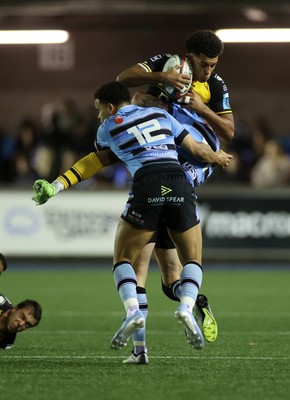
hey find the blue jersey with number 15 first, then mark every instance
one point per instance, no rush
(141, 136)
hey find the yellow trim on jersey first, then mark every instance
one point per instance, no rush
(225, 112)
(83, 169)
(202, 89)
(145, 66)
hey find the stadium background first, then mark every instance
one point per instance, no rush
(60, 253)
(106, 37)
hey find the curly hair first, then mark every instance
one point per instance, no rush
(205, 42)
(113, 92)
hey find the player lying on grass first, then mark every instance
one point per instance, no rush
(156, 144)
(13, 320)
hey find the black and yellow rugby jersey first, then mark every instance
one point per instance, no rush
(214, 92)
(7, 340)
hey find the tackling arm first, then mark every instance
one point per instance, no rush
(83, 169)
(147, 100)
(204, 153)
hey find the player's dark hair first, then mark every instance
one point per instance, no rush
(113, 92)
(205, 42)
(4, 261)
(37, 310)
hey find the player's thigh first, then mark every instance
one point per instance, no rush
(129, 241)
(141, 265)
(188, 244)
(169, 265)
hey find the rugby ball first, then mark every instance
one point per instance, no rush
(184, 68)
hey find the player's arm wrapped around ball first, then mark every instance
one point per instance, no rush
(178, 73)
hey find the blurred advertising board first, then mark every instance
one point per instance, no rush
(236, 224)
(245, 224)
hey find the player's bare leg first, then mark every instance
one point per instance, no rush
(169, 265)
(141, 265)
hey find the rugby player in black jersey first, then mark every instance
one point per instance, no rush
(208, 96)
(13, 320)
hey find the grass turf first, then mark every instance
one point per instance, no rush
(68, 355)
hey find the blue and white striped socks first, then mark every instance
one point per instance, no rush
(126, 282)
(190, 283)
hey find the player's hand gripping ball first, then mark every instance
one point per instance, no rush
(184, 68)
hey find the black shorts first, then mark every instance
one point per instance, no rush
(166, 196)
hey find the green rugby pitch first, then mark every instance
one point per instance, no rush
(67, 357)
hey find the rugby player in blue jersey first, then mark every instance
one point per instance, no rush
(145, 139)
(206, 112)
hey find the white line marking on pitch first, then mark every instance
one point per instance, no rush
(97, 332)
(153, 357)
(162, 314)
